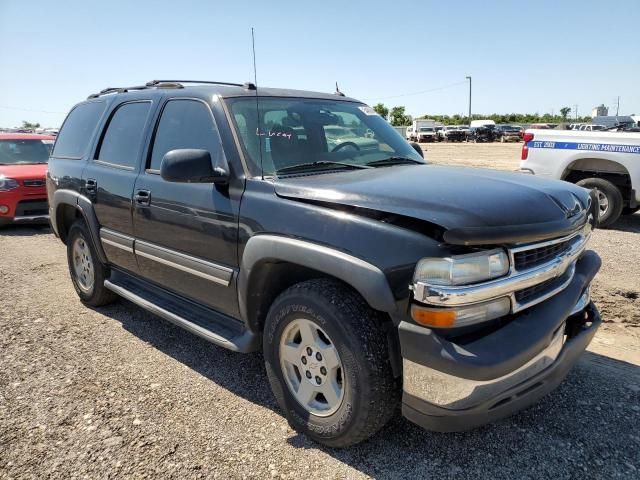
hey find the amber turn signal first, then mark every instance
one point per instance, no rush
(433, 318)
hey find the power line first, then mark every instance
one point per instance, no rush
(418, 93)
(31, 110)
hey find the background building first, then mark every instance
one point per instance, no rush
(600, 111)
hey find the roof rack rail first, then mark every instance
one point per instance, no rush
(166, 84)
(153, 83)
(109, 90)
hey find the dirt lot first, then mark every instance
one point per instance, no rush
(117, 392)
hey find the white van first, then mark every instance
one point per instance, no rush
(481, 123)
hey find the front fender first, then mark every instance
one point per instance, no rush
(366, 278)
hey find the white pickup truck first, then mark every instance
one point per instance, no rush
(606, 162)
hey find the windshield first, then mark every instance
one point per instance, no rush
(298, 131)
(19, 151)
(426, 129)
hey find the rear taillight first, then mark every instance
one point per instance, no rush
(527, 137)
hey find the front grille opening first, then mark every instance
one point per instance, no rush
(523, 296)
(34, 183)
(27, 208)
(537, 256)
(527, 295)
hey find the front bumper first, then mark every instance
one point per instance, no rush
(512, 138)
(450, 387)
(24, 205)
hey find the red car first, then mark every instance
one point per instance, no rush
(23, 167)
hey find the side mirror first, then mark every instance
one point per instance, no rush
(189, 165)
(417, 148)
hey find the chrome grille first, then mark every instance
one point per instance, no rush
(545, 269)
(537, 256)
(537, 293)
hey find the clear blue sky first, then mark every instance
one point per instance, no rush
(524, 56)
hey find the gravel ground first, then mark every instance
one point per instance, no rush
(117, 392)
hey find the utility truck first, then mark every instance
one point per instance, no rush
(422, 131)
(606, 162)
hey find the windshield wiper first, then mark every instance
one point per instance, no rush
(393, 161)
(304, 167)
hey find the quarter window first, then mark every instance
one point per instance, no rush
(78, 128)
(185, 124)
(123, 137)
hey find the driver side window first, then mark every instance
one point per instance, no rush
(185, 124)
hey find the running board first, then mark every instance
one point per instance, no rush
(203, 322)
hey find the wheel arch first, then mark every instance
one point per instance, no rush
(609, 170)
(69, 206)
(271, 264)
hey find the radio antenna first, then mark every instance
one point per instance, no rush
(255, 81)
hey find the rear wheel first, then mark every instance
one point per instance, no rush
(610, 200)
(328, 364)
(87, 273)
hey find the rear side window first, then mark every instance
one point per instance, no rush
(123, 136)
(185, 124)
(74, 138)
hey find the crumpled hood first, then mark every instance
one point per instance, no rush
(474, 206)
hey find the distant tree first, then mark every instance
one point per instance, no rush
(564, 113)
(381, 110)
(29, 125)
(399, 118)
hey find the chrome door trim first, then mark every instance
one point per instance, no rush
(185, 263)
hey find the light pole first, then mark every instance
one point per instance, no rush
(469, 78)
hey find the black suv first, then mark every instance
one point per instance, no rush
(304, 225)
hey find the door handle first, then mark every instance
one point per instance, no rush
(142, 197)
(91, 187)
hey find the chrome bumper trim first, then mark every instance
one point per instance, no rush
(30, 218)
(451, 296)
(582, 303)
(457, 393)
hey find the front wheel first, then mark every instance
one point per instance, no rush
(610, 200)
(328, 364)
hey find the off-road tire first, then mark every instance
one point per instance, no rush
(371, 393)
(98, 295)
(614, 197)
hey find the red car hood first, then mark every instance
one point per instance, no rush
(24, 171)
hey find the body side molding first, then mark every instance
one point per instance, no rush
(115, 239)
(186, 263)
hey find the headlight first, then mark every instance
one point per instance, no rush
(462, 269)
(7, 184)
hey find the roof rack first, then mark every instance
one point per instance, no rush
(167, 84)
(154, 83)
(246, 85)
(109, 90)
